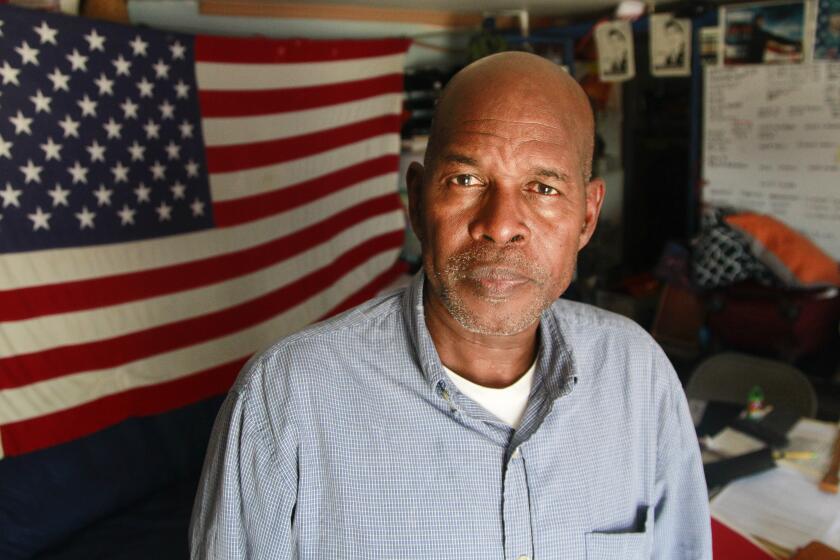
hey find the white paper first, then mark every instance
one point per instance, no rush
(811, 435)
(781, 507)
(731, 443)
(670, 45)
(614, 41)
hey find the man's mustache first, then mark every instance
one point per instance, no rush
(497, 263)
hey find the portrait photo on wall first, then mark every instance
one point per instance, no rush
(767, 32)
(827, 41)
(614, 41)
(670, 45)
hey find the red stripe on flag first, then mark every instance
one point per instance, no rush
(241, 210)
(35, 301)
(60, 427)
(222, 159)
(245, 50)
(374, 287)
(64, 360)
(240, 103)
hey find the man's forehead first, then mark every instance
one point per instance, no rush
(511, 134)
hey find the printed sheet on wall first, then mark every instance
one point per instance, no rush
(772, 144)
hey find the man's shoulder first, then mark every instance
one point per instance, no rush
(351, 331)
(576, 318)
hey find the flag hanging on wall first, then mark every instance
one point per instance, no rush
(171, 204)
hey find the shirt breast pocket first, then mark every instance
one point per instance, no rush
(621, 545)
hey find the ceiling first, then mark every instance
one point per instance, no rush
(535, 7)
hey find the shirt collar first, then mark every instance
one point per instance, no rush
(555, 375)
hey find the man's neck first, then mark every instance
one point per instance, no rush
(489, 360)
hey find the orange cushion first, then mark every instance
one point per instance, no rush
(788, 253)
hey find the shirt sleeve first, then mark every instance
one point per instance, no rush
(246, 498)
(682, 526)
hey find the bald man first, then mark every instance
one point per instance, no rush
(474, 414)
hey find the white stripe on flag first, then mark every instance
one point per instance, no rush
(18, 270)
(258, 180)
(239, 77)
(228, 131)
(62, 329)
(65, 392)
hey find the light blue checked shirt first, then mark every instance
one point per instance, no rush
(348, 440)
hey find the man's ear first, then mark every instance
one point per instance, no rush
(594, 200)
(414, 184)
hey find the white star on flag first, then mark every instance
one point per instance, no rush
(88, 106)
(105, 85)
(167, 110)
(129, 109)
(10, 196)
(192, 169)
(59, 80)
(40, 219)
(157, 170)
(161, 69)
(123, 66)
(31, 172)
(77, 61)
(59, 196)
(186, 129)
(145, 87)
(138, 46)
(103, 196)
(9, 74)
(151, 129)
(136, 151)
(173, 150)
(178, 50)
(46, 33)
(96, 151)
(78, 172)
(178, 190)
(70, 127)
(96, 42)
(182, 90)
(5, 148)
(120, 172)
(85, 218)
(113, 128)
(51, 150)
(197, 208)
(28, 55)
(126, 215)
(41, 101)
(22, 123)
(142, 192)
(164, 212)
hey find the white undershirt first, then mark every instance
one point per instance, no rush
(507, 404)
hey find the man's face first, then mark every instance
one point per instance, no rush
(502, 211)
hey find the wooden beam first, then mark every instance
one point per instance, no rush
(262, 8)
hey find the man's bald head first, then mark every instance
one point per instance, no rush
(520, 87)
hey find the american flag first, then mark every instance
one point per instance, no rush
(170, 204)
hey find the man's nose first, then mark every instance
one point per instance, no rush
(499, 217)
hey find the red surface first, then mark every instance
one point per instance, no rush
(729, 545)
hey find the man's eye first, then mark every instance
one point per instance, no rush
(465, 180)
(545, 189)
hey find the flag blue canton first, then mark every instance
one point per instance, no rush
(100, 134)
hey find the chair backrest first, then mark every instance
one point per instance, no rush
(728, 377)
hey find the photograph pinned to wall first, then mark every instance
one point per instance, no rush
(827, 41)
(766, 32)
(710, 45)
(670, 45)
(614, 41)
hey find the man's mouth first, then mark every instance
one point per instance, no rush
(497, 281)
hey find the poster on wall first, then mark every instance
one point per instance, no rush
(709, 45)
(614, 41)
(827, 41)
(670, 45)
(766, 32)
(771, 144)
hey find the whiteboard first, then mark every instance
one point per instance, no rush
(771, 144)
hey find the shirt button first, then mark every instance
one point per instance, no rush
(516, 454)
(523, 557)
